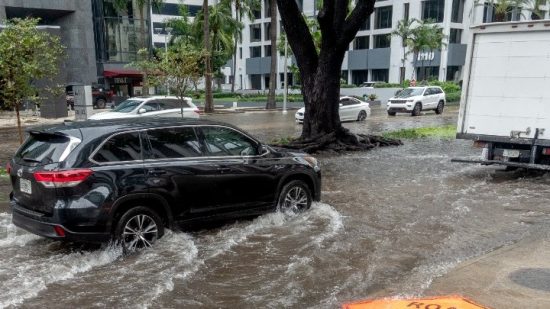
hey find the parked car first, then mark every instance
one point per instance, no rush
(351, 109)
(154, 106)
(128, 180)
(100, 96)
(413, 100)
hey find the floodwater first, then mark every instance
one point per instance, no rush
(390, 221)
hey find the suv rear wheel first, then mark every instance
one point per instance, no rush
(295, 197)
(138, 228)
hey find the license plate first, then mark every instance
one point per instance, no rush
(510, 153)
(25, 186)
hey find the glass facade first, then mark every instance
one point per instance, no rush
(120, 34)
(383, 17)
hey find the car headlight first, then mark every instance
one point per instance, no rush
(311, 161)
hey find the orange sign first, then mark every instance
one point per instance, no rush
(443, 302)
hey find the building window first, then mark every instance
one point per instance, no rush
(174, 9)
(240, 53)
(453, 73)
(406, 12)
(455, 36)
(255, 33)
(458, 11)
(383, 16)
(359, 76)
(434, 10)
(267, 34)
(255, 52)
(344, 76)
(361, 42)
(366, 25)
(382, 41)
(256, 81)
(267, 51)
(381, 75)
(427, 73)
(257, 14)
(489, 14)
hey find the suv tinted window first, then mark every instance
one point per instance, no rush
(151, 106)
(171, 104)
(227, 142)
(436, 91)
(174, 143)
(121, 147)
(42, 148)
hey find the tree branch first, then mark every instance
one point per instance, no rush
(358, 16)
(298, 35)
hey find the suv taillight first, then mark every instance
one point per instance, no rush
(62, 179)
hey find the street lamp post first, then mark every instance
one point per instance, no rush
(169, 32)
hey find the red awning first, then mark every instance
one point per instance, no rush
(122, 73)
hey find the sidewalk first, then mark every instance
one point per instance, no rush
(515, 276)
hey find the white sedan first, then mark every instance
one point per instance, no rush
(351, 109)
(154, 106)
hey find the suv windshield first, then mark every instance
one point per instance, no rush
(410, 92)
(42, 149)
(127, 106)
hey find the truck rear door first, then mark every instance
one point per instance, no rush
(509, 83)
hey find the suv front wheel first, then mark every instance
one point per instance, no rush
(417, 109)
(138, 228)
(295, 197)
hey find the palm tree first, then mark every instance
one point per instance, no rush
(536, 12)
(271, 104)
(502, 8)
(215, 26)
(242, 8)
(404, 31)
(426, 36)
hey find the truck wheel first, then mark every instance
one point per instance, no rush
(416, 110)
(391, 113)
(100, 103)
(439, 109)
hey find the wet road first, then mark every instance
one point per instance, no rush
(391, 221)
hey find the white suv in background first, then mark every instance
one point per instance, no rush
(416, 99)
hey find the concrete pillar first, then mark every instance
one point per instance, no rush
(445, 50)
(2, 14)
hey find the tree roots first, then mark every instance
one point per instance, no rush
(342, 141)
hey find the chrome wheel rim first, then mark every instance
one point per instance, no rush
(140, 231)
(295, 200)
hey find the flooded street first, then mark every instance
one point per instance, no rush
(390, 222)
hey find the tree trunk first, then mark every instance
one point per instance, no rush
(271, 103)
(208, 99)
(320, 73)
(19, 129)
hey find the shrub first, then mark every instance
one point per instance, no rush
(448, 87)
(372, 97)
(387, 85)
(453, 96)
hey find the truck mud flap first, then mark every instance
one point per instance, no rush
(496, 162)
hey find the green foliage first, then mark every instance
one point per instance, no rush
(27, 54)
(372, 97)
(179, 68)
(445, 132)
(448, 87)
(453, 97)
(3, 173)
(314, 30)
(387, 85)
(285, 140)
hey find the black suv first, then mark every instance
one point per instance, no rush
(129, 180)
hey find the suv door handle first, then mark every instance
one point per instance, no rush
(155, 172)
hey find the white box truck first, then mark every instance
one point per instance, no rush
(505, 105)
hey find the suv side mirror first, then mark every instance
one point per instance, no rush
(142, 111)
(262, 149)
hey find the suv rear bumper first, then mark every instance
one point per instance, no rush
(44, 226)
